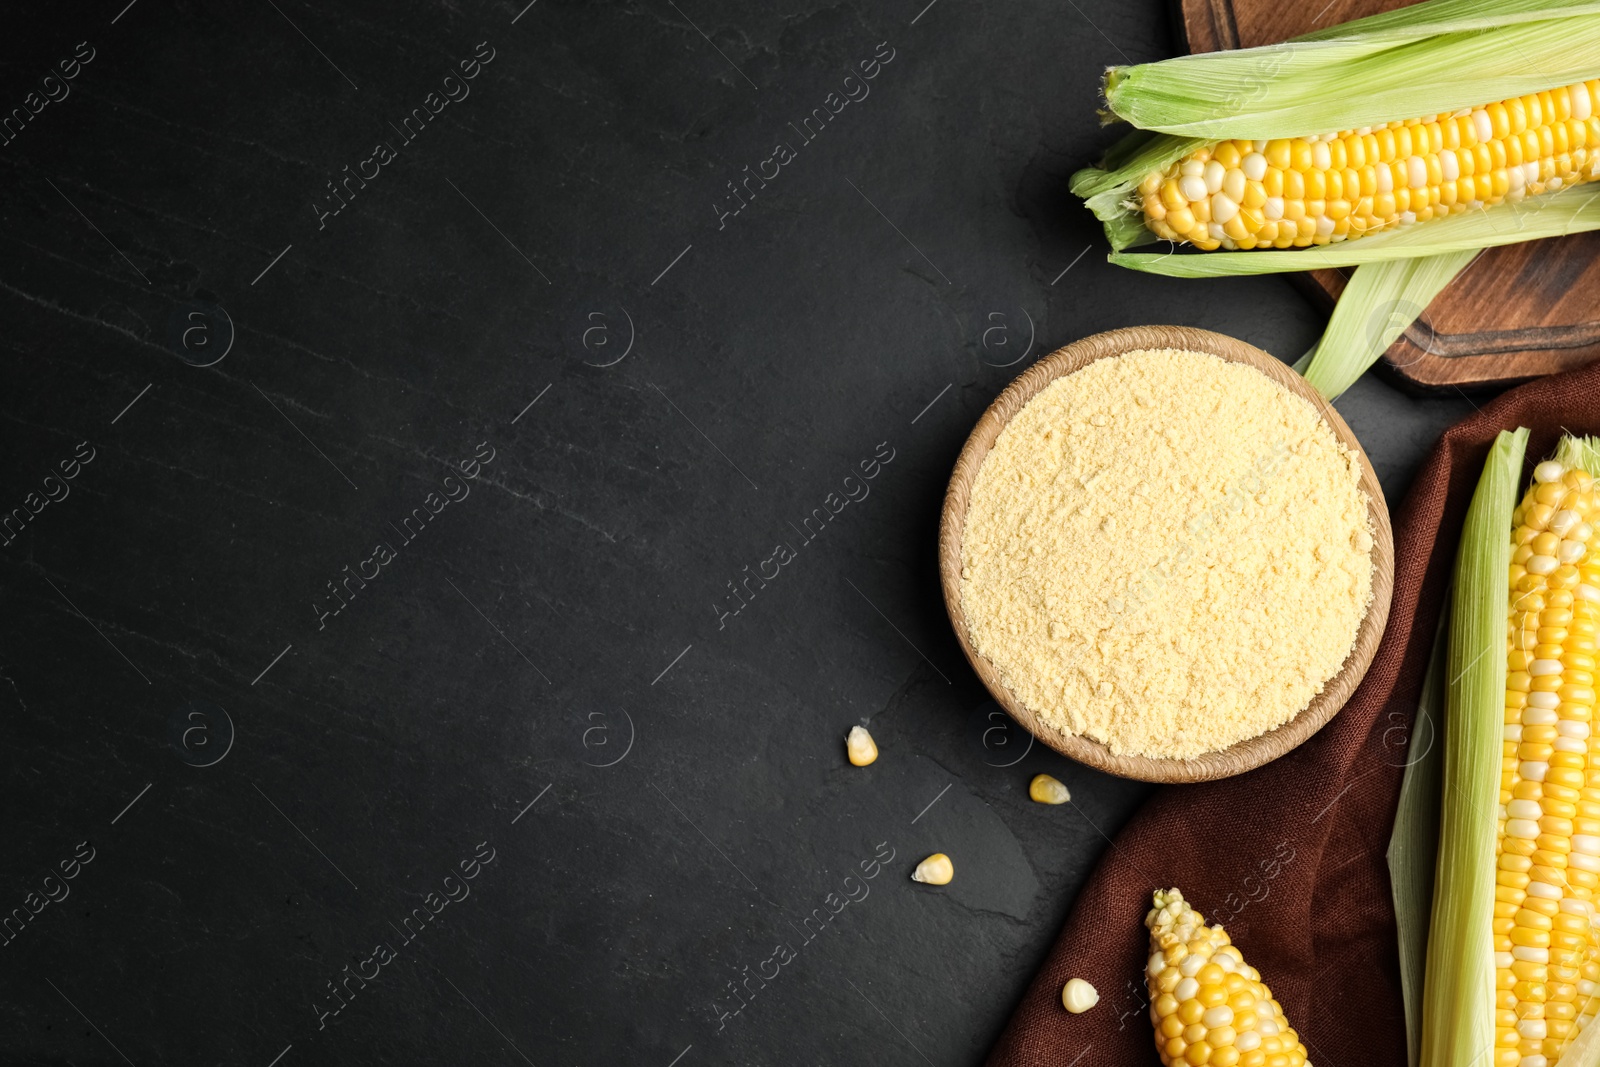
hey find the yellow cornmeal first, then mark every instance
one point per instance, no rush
(1166, 552)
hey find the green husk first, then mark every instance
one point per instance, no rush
(1106, 188)
(1458, 992)
(1414, 843)
(1571, 210)
(1380, 302)
(1303, 87)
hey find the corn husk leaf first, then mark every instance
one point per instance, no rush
(1414, 843)
(1572, 210)
(1422, 60)
(1380, 302)
(1584, 1050)
(1458, 992)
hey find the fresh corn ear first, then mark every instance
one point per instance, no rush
(1434, 109)
(1547, 872)
(1208, 1005)
(1294, 192)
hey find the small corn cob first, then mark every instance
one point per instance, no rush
(1548, 845)
(1321, 189)
(1207, 1004)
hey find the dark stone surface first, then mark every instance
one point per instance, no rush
(701, 385)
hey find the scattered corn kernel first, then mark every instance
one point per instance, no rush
(935, 870)
(860, 746)
(1078, 996)
(1048, 790)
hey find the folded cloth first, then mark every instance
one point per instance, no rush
(1291, 856)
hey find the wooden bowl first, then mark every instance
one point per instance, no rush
(1246, 754)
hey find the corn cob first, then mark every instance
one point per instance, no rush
(1300, 191)
(1548, 845)
(1207, 1004)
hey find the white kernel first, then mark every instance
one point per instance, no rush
(1583, 861)
(1579, 95)
(1416, 172)
(1385, 178)
(1214, 173)
(1574, 906)
(1541, 564)
(1533, 1028)
(1539, 668)
(1587, 988)
(1530, 171)
(1572, 728)
(1571, 551)
(1545, 890)
(1526, 829)
(1514, 180)
(1449, 166)
(1502, 961)
(1321, 158)
(1544, 700)
(1216, 232)
(1324, 226)
(1524, 809)
(1588, 844)
(1585, 591)
(1233, 184)
(1536, 716)
(1158, 963)
(1530, 954)
(1249, 1041)
(1273, 208)
(1192, 168)
(1268, 1027)
(1186, 990)
(1482, 126)
(1223, 208)
(1254, 166)
(1581, 532)
(1514, 731)
(1191, 965)
(1193, 188)
(1407, 218)
(1221, 1015)
(1533, 770)
(1570, 744)
(1534, 1060)
(1563, 521)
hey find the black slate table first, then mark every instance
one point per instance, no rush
(466, 466)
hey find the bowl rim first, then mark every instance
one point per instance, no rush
(1243, 755)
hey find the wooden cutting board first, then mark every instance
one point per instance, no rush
(1518, 312)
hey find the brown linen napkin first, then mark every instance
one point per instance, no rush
(1290, 857)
